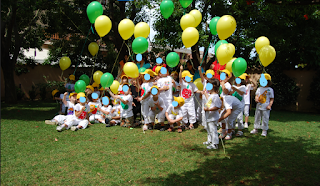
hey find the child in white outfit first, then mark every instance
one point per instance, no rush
(264, 98)
(157, 107)
(81, 119)
(174, 114)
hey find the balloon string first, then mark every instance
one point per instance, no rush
(184, 11)
(81, 52)
(205, 52)
(115, 62)
(62, 75)
(95, 59)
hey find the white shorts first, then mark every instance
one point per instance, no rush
(246, 110)
(60, 119)
(232, 117)
(189, 113)
(77, 122)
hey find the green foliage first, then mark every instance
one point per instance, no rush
(55, 85)
(20, 93)
(33, 93)
(314, 91)
(42, 90)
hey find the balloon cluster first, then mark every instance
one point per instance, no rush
(266, 52)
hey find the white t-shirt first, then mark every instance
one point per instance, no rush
(116, 110)
(213, 101)
(69, 86)
(231, 102)
(264, 93)
(70, 106)
(187, 91)
(126, 113)
(243, 89)
(145, 89)
(84, 113)
(173, 111)
(160, 100)
(165, 81)
(93, 106)
(107, 109)
(227, 85)
(120, 88)
(249, 87)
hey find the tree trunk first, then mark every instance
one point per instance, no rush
(8, 74)
(195, 56)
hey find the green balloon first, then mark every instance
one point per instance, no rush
(185, 3)
(239, 66)
(219, 43)
(166, 8)
(213, 25)
(106, 80)
(142, 69)
(140, 45)
(94, 10)
(80, 86)
(172, 59)
(85, 78)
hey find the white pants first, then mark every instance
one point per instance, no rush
(232, 117)
(198, 106)
(203, 113)
(240, 120)
(60, 119)
(212, 132)
(173, 117)
(94, 118)
(152, 115)
(264, 115)
(145, 111)
(246, 110)
(188, 113)
(77, 122)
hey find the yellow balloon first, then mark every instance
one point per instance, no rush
(142, 29)
(64, 63)
(225, 53)
(226, 26)
(198, 83)
(93, 48)
(267, 55)
(190, 37)
(97, 76)
(131, 69)
(103, 25)
(261, 42)
(229, 64)
(197, 16)
(126, 28)
(187, 21)
(114, 87)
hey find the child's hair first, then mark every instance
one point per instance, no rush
(243, 82)
(215, 83)
(89, 98)
(269, 83)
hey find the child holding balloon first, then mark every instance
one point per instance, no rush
(264, 98)
(212, 106)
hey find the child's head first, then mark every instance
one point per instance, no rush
(157, 71)
(268, 78)
(89, 89)
(95, 86)
(186, 74)
(105, 101)
(126, 88)
(72, 78)
(228, 74)
(174, 75)
(81, 98)
(73, 97)
(150, 73)
(155, 91)
(180, 101)
(55, 93)
(208, 72)
(216, 85)
(189, 65)
(124, 79)
(243, 79)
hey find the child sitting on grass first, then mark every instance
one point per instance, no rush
(81, 110)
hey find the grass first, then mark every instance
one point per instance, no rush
(33, 153)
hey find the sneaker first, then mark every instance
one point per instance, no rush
(145, 127)
(254, 131)
(239, 133)
(106, 120)
(51, 122)
(206, 143)
(264, 133)
(150, 127)
(170, 129)
(236, 126)
(228, 137)
(108, 125)
(246, 125)
(179, 130)
(60, 128)
(162, 128)
(74, 128)
(212, 146)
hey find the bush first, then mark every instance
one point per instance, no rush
(33, 93)
(42, 90)
(20, 93)
(314, 91)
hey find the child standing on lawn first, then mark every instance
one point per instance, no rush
(238, 91)
(225, 89)
(187, 92)
(247, 99)
(212, 106)
(174, 114)
(81, 110)
(264, 98)
(165, 84)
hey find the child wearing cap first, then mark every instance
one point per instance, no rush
(70, 84)
(89, 90)
(95, 108)
(105, 113)
(187, 92)
(145, 94)
(174, 114)
(238, 91)
(124, 80)
(156, 107)
(211, 108)
(247, 99)
(264, 98)
(81, 113)
(96, 88)
(126, 105)
(176, 89)
(165, 84)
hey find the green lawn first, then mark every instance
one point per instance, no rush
(30, 155)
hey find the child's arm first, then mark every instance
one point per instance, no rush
(270, 104)
(177, 120)
(228, 112)
(122, 100)
(64, 100)
(237, 90)
(201, 75)
(103, 111)
(211, 109)
(111, 93)
(206, 94)
(180, 74)
(144, 97)
(169, 120)
(198, 91)
(78, 113)
(158, 105)
(116, 117)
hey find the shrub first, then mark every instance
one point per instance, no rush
(33, 93)
(42, 90)
(314, 91)
(20, 93)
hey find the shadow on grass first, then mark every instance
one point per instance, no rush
(258, 161)
(29, 111)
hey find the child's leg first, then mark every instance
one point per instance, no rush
(214, 139)
(246, 113)
(144, 112)
(240, 121)
(192, 115)
(129, 122)
(184, 110)
(92, 119)
(209, 133)
(83, 124)
(265, 119)
(257, 119)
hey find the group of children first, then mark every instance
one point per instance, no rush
(173, 98)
